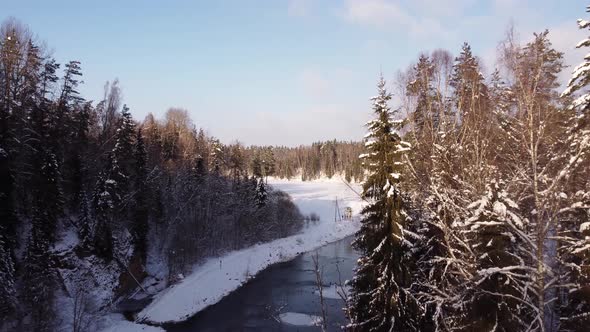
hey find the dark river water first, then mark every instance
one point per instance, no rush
(283, 291)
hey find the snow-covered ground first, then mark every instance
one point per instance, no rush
(211, 281)
(118, 323)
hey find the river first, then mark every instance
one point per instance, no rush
(282, 297)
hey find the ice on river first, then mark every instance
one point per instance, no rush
(299, 319)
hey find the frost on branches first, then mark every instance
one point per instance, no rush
(574, 214)
(574, 255)
(381, 300)
(581, 74)
(500, 296)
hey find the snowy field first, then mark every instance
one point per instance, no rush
(211, 281)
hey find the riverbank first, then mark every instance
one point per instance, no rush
(217, 277)
(284, 297)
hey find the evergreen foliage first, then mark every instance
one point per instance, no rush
(381, 298)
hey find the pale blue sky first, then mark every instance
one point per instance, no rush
(274, 71)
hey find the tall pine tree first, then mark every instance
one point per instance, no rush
(381, 300)
(141, 211)
(500, 294)
(7, 238)
(574, 244)
(39, 275)
(123, 151)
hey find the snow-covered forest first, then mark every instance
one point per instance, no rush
(480, 196)
(475, 197)
(92, 200)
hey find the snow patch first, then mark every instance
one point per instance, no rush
(500, 209)
(299, 319)
(117, 323)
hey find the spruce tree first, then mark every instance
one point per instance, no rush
(574, 256)
(46, 179)
(199, 170)
(153, 138)
(8, 223)
(39, 277)
(141, 210)
(425, 115)
(60, 113)
(77, 153)
(123, 151)
(236, 162)
(381, 300)
(268, 163)
(8, 220)
(102, 234)
(503, 269)
(261, 194)
(580, 80)
(257, 170)
(69, 93)
(7, 278)
(48, 196)
(84, 222)
(468, 83)
(216, 157)
(106, 198)
(574, 239)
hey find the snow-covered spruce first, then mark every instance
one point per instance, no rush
(574, 231)
(500, 295)
(381, 299)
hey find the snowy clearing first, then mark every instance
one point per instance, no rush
(217, 277)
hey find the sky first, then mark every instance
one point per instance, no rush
(276, 72)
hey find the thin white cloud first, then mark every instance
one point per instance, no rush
(375, 12)
(404, 12)
(387, 14)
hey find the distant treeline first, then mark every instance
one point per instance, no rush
(308, 162)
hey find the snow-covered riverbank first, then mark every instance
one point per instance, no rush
(216, 278)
